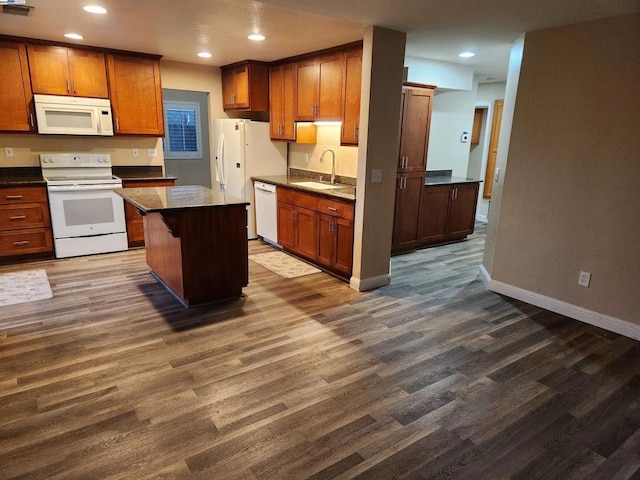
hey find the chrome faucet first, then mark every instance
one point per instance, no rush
(333, 163)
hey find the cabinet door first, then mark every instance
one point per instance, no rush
(306, 90)
(49, 68)
(326, 240)
(282, 92)
(352, 84)
(228, 87)
(329, 106)
(462, 212)
(414, 138)
(343, 258)
(136, 95)
(15, 89)
(286, 227)
(88, 74)
(405, 230)
(241, 82)
(434, 214)
(307, 239)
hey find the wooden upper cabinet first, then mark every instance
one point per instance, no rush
(282, 85)
(416, 120)
(351, 99)
(67, 71)
(319, 88)
(15, 89)
(245, 86)
(477, 126)
(136, 95)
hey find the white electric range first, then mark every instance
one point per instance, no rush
(87, 216)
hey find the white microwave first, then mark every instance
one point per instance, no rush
(59, 115)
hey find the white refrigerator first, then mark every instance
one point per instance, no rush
(243, 149)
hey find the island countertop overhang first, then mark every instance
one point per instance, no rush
(163, 199)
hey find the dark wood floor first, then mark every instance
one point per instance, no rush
(430, 377)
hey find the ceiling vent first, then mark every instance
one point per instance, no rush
(22, 10)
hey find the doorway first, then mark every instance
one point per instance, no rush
(191, 161)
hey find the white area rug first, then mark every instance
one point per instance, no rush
(26, 286)
(283, 264)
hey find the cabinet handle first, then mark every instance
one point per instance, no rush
(23, 242)
(14, 197)
(456, 190)
(74, 86)
(18, 217)
(117, 124)
(66, 85)
(333, 209)
(31, 120)
(355, 131)
(233, 98)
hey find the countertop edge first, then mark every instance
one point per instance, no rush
(287, 182)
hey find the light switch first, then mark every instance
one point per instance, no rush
(151, 152)
(376, 175)
(134, 152)
(8, 152)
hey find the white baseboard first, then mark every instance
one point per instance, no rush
(606, 322)
(364, 284)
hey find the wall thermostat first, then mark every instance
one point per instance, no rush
(464, 137)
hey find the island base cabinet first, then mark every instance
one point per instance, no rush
(188, 254)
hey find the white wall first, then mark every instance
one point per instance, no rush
(451, 116)
(486, 94)
(443, 75)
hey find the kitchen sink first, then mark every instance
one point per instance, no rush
(316, 185)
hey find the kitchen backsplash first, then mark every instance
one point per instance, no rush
(27, 148)
(307, 156)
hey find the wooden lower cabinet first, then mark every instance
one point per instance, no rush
(135, 225)
(317, 228)
(447, 213)
(25, 223)
(407, 212)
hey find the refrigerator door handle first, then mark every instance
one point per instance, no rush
(220, 163)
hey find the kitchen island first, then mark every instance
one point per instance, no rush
(196, 240)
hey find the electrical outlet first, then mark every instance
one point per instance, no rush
(151, 152)
(134, 152)
(584, 279)
(376, 175)
(8, 152)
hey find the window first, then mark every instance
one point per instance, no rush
(183, 136)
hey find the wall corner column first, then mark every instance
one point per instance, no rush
(381, 91)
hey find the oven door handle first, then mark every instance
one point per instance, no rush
(80, 188)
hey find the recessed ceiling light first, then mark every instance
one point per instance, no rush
(467, 54)
(256, 37)
(74, 36)
(204, 54)
(94, 9)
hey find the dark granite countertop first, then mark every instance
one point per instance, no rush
(140, 173)
(342, 191)
(444, 180)
(157, 199)
(21, 176)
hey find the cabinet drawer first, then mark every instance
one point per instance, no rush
(168, 182)
(15, 217)
(131, 212)
(10, 195)
(336, 208)
(294, 197)
(20, 242)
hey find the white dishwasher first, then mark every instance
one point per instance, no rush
(266, 202)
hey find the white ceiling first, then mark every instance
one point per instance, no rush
(178, 29)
